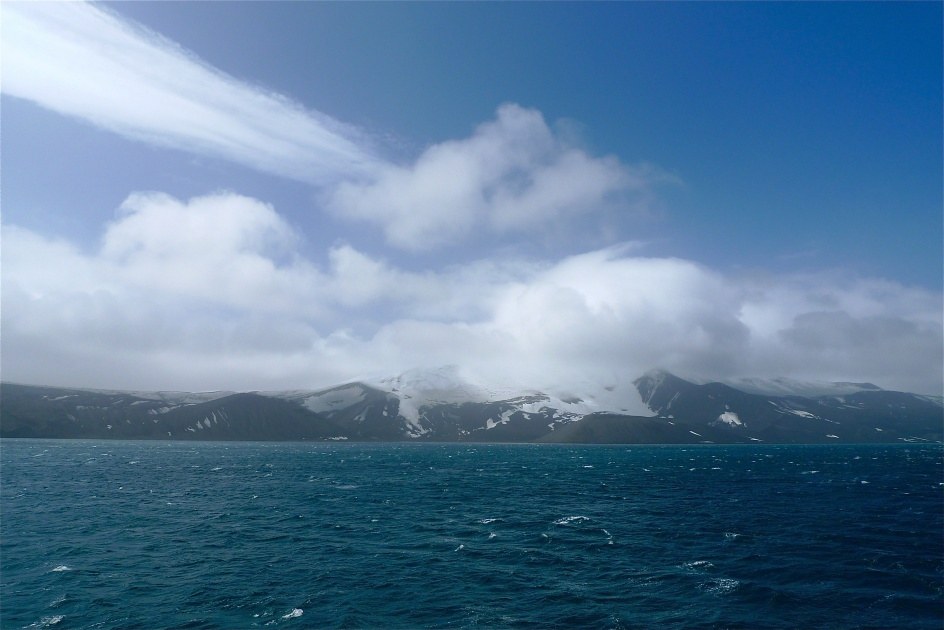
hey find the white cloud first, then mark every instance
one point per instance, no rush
(604, 307)
(225, 248)
(83, 61)
(513, 173)
(213, 293)
(359, 280)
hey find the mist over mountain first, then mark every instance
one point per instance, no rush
(443, 405)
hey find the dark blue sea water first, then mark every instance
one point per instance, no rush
(233, 535)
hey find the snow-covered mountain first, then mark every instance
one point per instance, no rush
(449, 404)
(449, 385)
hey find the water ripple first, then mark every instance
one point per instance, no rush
(410, 536)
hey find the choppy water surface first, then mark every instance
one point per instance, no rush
(211, 535)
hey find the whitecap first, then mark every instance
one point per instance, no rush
(720, 586)
(492, 535)
(296, 612)
(731, 535)
(61, 568)
(567, 520)
(459, 548)
(697, 565)
(45, 622)
(486, 521)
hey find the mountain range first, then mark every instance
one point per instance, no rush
(445, 405)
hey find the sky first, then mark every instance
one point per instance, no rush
(248, 195)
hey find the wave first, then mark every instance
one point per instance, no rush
(723, 552)
(720, 586)
(567, 520)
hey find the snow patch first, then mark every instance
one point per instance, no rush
(451, 385)
(503, 419)
(802, 414)
(440, 385)
(730, 418)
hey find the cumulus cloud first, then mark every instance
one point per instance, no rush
(513, 173)
(214, 293)
(84, 61)
(227, 249)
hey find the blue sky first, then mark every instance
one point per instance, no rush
(535, 191)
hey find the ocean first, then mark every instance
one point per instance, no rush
(338, 535)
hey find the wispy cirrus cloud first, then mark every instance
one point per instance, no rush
(83, 61)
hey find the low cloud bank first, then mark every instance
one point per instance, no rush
(214, 293)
